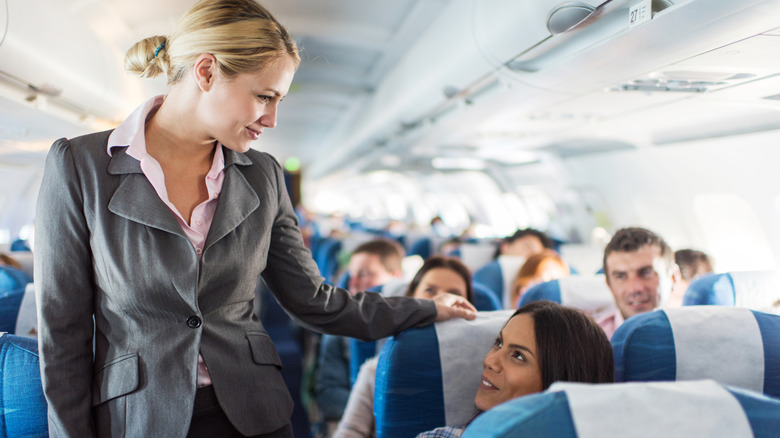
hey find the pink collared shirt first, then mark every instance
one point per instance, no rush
(610, 323)
(131, 134)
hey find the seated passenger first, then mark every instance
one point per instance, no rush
(439, 275)
(640, 272)
(372, 263)
(6, 260)
(524, 243)
(545, 266)
(692, 264)
(542, 343)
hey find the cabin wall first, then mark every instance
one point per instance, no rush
(719, 195)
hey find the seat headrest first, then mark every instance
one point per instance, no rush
(757, 290)
(733, 346)
(587, 293)
(658, 409)
(428, 376)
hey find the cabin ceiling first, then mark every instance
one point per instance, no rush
(391, 85)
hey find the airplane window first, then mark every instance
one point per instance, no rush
(735, 237)
(541, 208)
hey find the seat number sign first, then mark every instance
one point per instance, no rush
(640, 13)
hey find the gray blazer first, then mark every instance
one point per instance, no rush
(112, 261)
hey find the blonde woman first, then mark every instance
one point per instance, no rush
(150, 240)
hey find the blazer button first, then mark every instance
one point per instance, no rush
(194, 322)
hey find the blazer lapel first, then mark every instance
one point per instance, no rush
(135, 198)
(236, 201)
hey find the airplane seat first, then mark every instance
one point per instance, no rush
(360, 351)
(327, 258)
(484, 298)
(757, 290)
(422, 247)
(281, 330)
(655, 409)
(25, 259)
(22, 402)
(499, 275)
(20, 245)
(587, 293)
(428, 376)
(476, 254)
(12, 286)
(731, 345)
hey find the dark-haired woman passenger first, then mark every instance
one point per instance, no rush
(439, 275)
(542, 343)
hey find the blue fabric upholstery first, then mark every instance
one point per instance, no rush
(10, 302)
(422, 248)
(491, 276)
(714, 289)
(549, 415)
(549, 291)
(22, 404)
(399, 396)
(12, 278)
(484, 298)
(411, 395)
(645, 347)
(327, 258)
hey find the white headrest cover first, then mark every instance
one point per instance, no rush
(27, 319)
(462, 348)
(662, 409)
(587, 293)
(757, 290)
(510, 265)
(719, 343)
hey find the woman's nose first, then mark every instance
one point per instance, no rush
(491, 361)
(268, 119)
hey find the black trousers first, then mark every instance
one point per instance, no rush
(210, 421)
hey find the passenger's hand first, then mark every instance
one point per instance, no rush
(450, 306)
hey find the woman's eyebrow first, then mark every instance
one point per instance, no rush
(524, 348)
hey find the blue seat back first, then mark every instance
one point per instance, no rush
(499, 275)
(757, 290)
(733, 346)
(484, 298)
(327, 258)
(428, 376)
(587, 293)
(22, 404)
(658, 409)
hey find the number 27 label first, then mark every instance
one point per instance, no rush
(640, 13)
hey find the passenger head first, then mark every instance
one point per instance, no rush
(545, 266)
(441, 275)
(692, 264)
(374, 263)
(639, 269)
(542, 343)
(241, 35)
(524, 243)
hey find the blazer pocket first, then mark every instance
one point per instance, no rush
(263, 350)
(116, 378)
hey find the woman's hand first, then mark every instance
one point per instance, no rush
(450, 306)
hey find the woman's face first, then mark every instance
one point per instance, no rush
(236, 111)
(511, 368)
(440, 281)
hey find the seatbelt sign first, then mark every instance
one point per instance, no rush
(640, 13)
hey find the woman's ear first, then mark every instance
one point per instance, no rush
(205, 70)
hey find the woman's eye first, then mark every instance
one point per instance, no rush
(497, 343)
(430, 291)
(518, 355)
(264, 99)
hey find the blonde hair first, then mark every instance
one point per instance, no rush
(242, 35)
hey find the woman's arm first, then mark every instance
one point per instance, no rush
(64, 293)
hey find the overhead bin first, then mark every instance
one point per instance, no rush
(53, 59)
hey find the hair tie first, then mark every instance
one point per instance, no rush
(160, 47)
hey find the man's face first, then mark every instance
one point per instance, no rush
(366, 271)
(636, 279)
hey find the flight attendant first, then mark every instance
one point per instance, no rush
(151, 238)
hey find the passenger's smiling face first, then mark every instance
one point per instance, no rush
(511, 368)
(237, 110)
(439, 281)
(635, 279)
